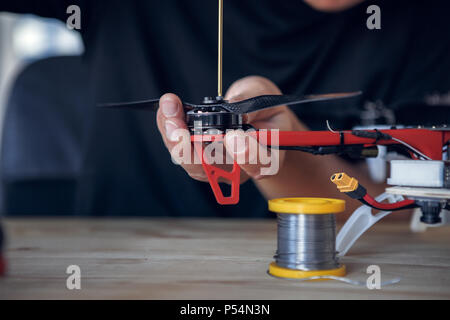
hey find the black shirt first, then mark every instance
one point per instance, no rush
(142, 49)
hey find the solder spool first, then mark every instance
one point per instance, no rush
(306, 238)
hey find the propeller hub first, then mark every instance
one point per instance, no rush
(220, 121)
(213, 100)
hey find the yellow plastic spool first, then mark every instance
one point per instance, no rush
(306, 205)
(281, 272)
(310, 206)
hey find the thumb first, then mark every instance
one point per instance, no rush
(257, 160)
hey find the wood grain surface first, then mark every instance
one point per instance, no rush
(206, 259)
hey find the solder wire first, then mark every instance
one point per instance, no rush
(306, 242)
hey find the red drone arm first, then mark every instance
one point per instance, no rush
(428, 142)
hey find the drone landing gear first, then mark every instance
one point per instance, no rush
(214, 120)
(216, 175)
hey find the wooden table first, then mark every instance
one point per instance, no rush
(206, 259)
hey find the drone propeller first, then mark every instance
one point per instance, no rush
(268, 101)
(241, 107)
(151, 104)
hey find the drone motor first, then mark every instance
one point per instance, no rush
(212, 117)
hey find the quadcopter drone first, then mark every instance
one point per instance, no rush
(425, 147)
(424, 178)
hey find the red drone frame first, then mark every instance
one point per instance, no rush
(428, 143)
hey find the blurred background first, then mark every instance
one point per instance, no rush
(27, 44)
(60, 155)
(25, 39)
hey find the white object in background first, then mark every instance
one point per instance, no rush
(377, 166)
(37, 38)
(359, 222)
(10, 64)
(417, 173)
(418, 226)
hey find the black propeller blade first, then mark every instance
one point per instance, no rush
(241, 107)
(150, 105)
(268, 101)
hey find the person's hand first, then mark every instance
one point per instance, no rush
(171, 117)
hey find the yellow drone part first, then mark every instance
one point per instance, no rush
(306, 205)
(281, 272)
(343, 182)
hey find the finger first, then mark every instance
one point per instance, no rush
(170, 117)
(249, 87)
(257, 160)
(174, 132)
